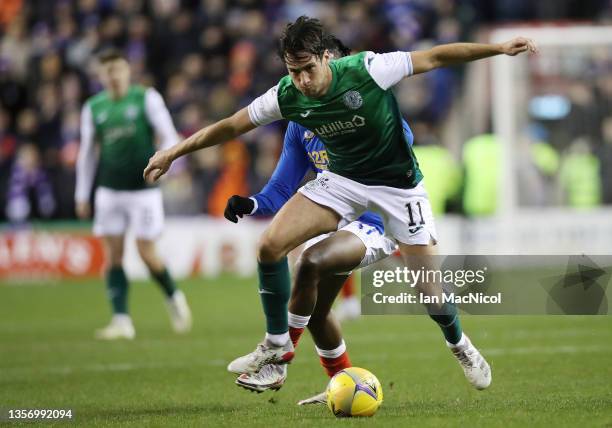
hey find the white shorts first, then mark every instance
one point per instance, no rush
(406, 213)
(116, 210)
(377, 245)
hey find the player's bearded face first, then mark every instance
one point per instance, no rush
(115, 75)
(310, 74)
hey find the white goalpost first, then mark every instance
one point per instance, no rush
(520, 227)
(509, 78)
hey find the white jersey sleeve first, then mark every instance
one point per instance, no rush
(265, 109)
(388, 69)
(86, 160)
(159, 118)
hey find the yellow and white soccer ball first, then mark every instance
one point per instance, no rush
(354, 392)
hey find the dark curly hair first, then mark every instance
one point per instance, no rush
(302, 38)
(305, 37)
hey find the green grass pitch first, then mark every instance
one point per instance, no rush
(547, 370)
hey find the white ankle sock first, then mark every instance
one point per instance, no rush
(278, 339)
(462, 342)
(332, 353)
(122, 319)
(298, 321)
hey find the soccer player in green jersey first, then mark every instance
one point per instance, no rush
(348, 104)
(118, 128)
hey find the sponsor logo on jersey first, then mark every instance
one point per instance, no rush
(340, 127)
(131, 112)
(306, 113)
(112, 135)
(353, 100)
(319, 159)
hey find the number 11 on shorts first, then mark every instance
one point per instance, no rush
(412, 224)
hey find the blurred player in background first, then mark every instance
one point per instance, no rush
(118, 128)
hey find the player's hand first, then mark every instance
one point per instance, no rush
(519, 45)
(158, 165)
(237, 206)
(83, 210)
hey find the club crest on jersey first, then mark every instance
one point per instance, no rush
(353, 100)
(131, 112)
(101, 118)
(308, 135)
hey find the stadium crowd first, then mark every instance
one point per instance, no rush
(210, 57)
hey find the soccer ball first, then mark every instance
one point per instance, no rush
(354, 392)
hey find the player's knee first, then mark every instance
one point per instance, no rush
(115, 259)
(269, 250)
(309, 264)
(114, 252)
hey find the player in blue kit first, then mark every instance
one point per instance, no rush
(354, 245)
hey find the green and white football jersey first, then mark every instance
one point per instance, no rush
(124, 131)
(358, 119)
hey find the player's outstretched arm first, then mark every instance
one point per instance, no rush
(217, 133)
(459, 53)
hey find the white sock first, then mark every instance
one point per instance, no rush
(278, 339)
(298, 321)
(332, 353)
(122, 319)
(462, 342)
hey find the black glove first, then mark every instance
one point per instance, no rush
(237, 206)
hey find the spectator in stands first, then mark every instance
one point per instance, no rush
(29, 189)
(482, 160)
(580, 175)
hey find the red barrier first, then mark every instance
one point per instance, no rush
(33, 255)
